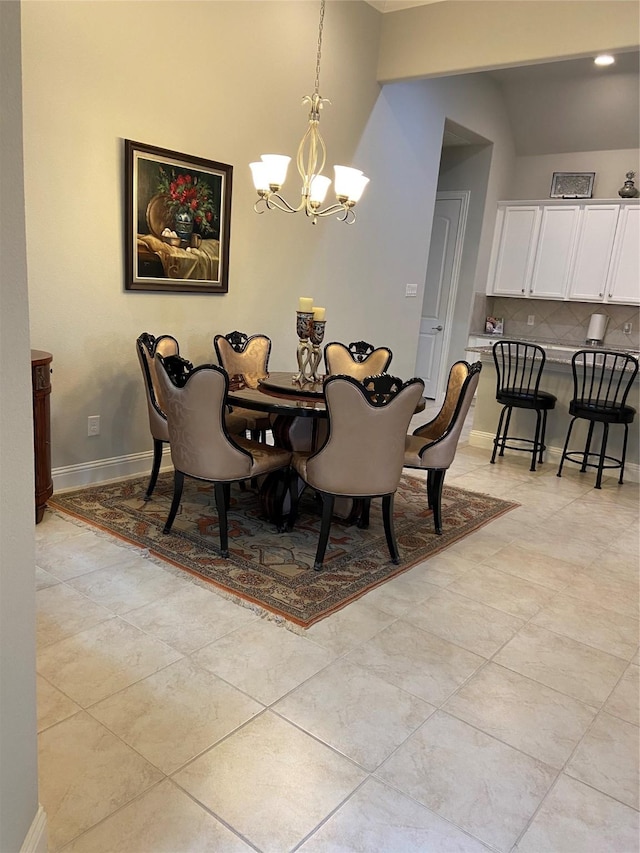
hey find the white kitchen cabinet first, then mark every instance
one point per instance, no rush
(586, 251)
(513, 250)
(596, 232)
(623, 284)
(554, 251)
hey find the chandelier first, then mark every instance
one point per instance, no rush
(270, 172)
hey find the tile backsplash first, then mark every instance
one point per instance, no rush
(562, 322)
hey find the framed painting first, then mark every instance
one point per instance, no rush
(177, 221)
(572, 185)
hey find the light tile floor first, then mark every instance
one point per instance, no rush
(487, 699)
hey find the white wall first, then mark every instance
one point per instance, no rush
(18, 759)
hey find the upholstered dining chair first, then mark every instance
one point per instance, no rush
(602, 381)
(363, 453)
(239, 353)
(202, 447)
(359, 359)
(432, 447)
(147, 346)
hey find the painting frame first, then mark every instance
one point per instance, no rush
(572, 185)
(167, 190)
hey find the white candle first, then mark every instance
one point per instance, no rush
(319, 313)
(305, 303)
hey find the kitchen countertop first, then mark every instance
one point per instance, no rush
(556, 353)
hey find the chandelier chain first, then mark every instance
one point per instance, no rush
(320, 28)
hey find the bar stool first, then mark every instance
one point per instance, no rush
(601, 383)
(519, 367)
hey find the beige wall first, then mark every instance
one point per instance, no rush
(18, 758)
(117, 83)
(533, 174)
(466, 35)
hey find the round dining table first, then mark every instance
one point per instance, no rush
(299, 422)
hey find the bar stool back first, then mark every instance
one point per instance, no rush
(601, 384)
(519, 367)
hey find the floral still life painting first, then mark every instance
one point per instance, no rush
(178, 211)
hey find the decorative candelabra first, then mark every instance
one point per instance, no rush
(310, 331)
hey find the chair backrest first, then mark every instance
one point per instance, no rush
(519, 366)
(238, 353)
(443, 432)
(200, 444)
(359, 359)
(146, 346)
(364, 450)
(603, 378)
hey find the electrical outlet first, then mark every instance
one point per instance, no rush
(93, 425)
(627, 328)
(531, 319)
(411, 290)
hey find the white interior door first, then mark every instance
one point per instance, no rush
(443, 268)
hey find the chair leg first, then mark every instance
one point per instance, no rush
(543, 436)
(624, 453)
(603, 450)
(564, 449)
(363, 521)
(587, 447)
(536, 440)
(505, 431)
(178, 483)
(220, 491)
(327, 511)
(282, 488)
(155, 468)
(389, 532)
(436, 498)
(430, 488)
(497, 438)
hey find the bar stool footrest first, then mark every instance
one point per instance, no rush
(577, 457)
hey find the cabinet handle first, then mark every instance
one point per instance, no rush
(610, 295)
(523, 289)
(601, 295)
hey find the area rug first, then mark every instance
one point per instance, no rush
(272, 570)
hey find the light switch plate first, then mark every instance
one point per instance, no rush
(411, 290)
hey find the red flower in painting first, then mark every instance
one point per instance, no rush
(187, 193)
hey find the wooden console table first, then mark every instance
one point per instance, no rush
(41, 386)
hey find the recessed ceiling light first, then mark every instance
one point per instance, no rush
(604, 59)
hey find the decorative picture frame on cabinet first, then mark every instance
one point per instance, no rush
(572, 185)
(177, 221)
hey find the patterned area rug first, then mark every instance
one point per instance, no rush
(275, 570)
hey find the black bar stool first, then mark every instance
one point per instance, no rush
(601, 383)
(519, 366)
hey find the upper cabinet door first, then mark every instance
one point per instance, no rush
(554, 252)
(513, 250)
(596, 231)
(623, 284)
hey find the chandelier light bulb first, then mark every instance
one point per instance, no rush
(270, 173)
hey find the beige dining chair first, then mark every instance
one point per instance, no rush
(239, 353)
(363, 454)
(147, 346)
(202, 447)
(360, 359)
(432, 447)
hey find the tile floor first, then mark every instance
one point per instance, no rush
(487, 699)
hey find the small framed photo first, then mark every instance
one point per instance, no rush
(494, 326)
(177, 221)
(572, 185)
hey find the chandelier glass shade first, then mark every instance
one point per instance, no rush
(270, 172)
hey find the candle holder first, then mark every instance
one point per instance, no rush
(310, 335)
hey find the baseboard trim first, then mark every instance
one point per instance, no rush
(106, 470)
(36, 840)
(552, 454)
